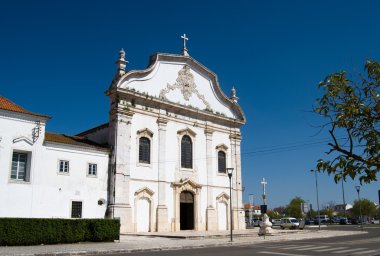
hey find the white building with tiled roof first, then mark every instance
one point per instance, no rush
(48, 175)
(159, 164)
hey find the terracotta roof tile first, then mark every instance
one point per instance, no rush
(73, 140)
(10, 106)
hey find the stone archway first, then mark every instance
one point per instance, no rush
(188, 192)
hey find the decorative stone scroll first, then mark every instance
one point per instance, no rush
(185, 82)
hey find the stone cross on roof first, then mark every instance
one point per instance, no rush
(184, 49)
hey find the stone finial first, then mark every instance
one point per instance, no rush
(121, 63)
(122, 54)
(233, 96)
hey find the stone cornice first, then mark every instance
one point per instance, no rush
(151, 101)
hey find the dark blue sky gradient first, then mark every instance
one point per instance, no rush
(57, 58)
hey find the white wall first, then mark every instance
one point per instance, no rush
(147, 175)
(47, 193)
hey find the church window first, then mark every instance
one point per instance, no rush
(76, 209)
(221, 162)
(92, 169)
(186, 152)
(144, 150)
(63, 166)
(19, 166)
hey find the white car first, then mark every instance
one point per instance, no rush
(290, 223)
(276, 222)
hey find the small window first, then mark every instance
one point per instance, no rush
(186, 152)
(221, 162)
(92, 169)
(19, 166)
(144, 150)
(63, 166)
(76, 209)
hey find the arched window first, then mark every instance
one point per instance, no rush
(186, 152)
(144, 150)
(221, 162)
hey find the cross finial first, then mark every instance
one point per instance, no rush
(184, 49)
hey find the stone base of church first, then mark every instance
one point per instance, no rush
(238, 219)
(211, 219)
(241, 217)
(162, 219)
(124, 213)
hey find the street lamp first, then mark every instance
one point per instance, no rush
(344, 200)
(316, 187)
(360, 207)
(229, 172)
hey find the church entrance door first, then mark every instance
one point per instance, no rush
(186, 211)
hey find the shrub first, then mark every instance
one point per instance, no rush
(32, 231)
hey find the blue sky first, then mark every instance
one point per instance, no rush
(57, 58)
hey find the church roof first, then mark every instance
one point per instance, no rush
(92, 130)
(8, 105)
(73, 140)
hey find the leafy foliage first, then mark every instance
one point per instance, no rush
(25, 231)
(368, 208)
(352, 108)
(293, 209)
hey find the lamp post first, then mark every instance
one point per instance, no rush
(229, 172)
(360, 207)
(316, 187)
(250, 197)
(344, 200)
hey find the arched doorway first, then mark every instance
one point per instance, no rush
(186, 210)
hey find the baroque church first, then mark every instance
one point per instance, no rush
(159, 164)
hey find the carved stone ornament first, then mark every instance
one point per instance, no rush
(185, 82)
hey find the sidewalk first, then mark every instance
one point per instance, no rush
(169, 241)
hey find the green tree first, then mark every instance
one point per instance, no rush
(293, 209)
(352, 110)
(327, 211)
(274, 215)
(368, 208)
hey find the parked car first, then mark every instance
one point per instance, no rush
(276, 222)
(290, 223)
(256, 222)
(335, 220)
(355, 221)
(343, 221)
(308, 222)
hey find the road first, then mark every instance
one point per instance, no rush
(365, 244)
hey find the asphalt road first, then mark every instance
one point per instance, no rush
(366, 245)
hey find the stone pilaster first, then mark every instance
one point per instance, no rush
(237, 192)
(119, 139)
(163, 224)
(211, 217)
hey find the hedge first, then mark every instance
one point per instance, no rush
(33, 231)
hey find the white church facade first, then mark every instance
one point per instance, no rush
(159, 164)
